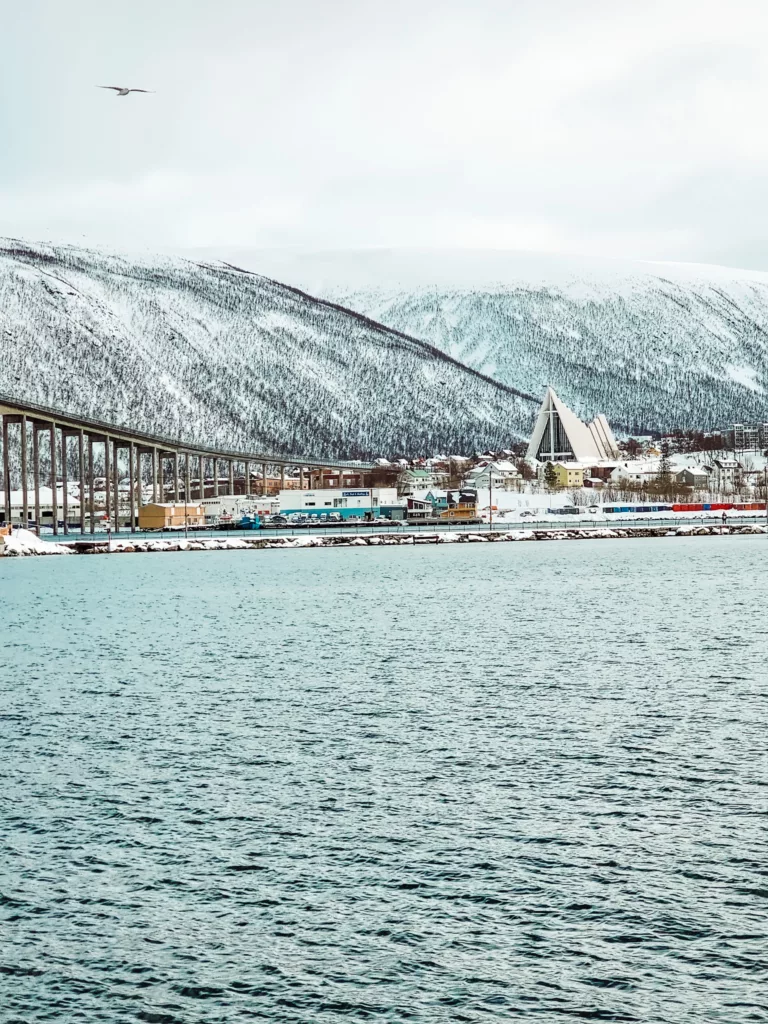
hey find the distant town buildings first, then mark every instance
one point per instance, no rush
(750, 437)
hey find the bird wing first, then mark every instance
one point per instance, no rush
(141, 90)
(117, 88)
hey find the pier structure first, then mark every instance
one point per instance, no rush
(177, 471)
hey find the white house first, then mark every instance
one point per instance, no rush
(636, 471)
(725, 474)
(502, 475)
(413, 480)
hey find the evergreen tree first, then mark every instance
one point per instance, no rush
(665, 466)
(550, 477)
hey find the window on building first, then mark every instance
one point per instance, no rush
(309, 504)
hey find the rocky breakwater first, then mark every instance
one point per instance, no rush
(22, 542)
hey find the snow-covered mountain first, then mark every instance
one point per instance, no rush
(651, 345)
(221, 356)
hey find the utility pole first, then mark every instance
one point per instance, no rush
(490, 496)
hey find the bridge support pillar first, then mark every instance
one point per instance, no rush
(231, 477)
(264, 479)
(36, 475)
(64, 481)
(132, 485)
(176, 477)
(247, 478)
(186, 480)
(282, 478)
(107, 484)
(24, 481)
(153, 454)
(81, 474)
(6, 472)
(116, 473)
(91, 494)
(215, 477)
(202, 477)
(54, 489)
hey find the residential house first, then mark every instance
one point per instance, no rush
(725, 475)
(696, 477)
(419, 508)
(567, 474)
(636, 471)
(461, 506)
(439, 500)
(599, 474)
(413, 480)
(502, 475)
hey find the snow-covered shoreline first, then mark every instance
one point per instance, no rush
(24, 543)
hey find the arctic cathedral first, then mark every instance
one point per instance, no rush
(560, 436)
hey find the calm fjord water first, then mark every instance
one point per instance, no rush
(482, 783)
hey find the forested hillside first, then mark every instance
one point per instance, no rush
(221, 356)
(652, 345)
(664, 357)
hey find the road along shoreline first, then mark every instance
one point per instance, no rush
(24, 543)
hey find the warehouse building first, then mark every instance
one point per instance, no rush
(167, 516)
(360, 502)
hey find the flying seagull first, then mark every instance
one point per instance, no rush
(122, 90)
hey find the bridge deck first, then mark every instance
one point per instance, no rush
(103, 429)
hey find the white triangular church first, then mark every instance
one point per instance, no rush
(560, 436)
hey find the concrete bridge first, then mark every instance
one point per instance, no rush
(171, 464)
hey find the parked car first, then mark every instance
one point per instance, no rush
(528, 513)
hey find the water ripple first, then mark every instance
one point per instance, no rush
(461, 784)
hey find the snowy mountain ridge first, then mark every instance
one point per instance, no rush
(652, 345)
(221, 356)
(348, 270)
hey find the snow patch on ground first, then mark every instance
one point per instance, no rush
(746, 376)
(24, 542)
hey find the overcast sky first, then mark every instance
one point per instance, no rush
(616, 127)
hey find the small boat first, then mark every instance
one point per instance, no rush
(249, 522)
